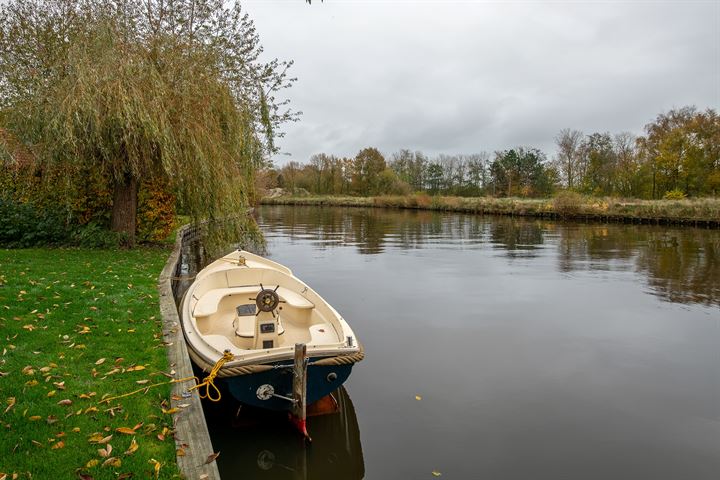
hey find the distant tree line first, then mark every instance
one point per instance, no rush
(678, 156)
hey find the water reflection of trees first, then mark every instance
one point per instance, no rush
(372, 230)
(680, 264)
(516, 237)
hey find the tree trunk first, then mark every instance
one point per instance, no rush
(124, 208)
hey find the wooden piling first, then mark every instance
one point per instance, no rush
(299, 411)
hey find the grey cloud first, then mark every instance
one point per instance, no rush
(449, 76)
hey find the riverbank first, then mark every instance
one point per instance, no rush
(79, 327)
(697, 212)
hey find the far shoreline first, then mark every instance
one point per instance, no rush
(702, 212)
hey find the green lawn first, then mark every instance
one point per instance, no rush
(77, 326)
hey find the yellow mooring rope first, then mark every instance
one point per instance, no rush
(147, 387)
(209, 381)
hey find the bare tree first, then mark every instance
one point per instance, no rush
(568, 142)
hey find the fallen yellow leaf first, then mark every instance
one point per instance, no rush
(156, 466)
(11, 404)
(92, 463)
(132, 448)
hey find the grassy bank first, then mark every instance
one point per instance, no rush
(571, 206)
(79, 326)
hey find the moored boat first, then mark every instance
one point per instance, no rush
(244, 319)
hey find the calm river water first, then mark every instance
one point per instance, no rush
(501, 348)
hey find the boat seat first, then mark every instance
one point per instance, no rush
(322, 334)
(245, 326)
(209, 303)
(219, 342)
(294, 299)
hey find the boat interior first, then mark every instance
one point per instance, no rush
(228, 314)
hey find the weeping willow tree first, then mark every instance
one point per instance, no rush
(143, 89)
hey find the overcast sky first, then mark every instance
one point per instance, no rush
(466, 76)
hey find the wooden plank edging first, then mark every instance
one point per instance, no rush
(191, 431)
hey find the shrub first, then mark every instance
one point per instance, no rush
(23, 225)
(568, 203)
(675, 194)
(93, 235)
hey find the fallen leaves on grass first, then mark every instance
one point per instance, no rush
(128, 430)
(99, 439)
(112, 462)
(132, 448)
(11, 403)
(161, 436)
(65, 402)
(105, 452)
(156, 466)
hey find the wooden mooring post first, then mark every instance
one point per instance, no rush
(299, 410)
